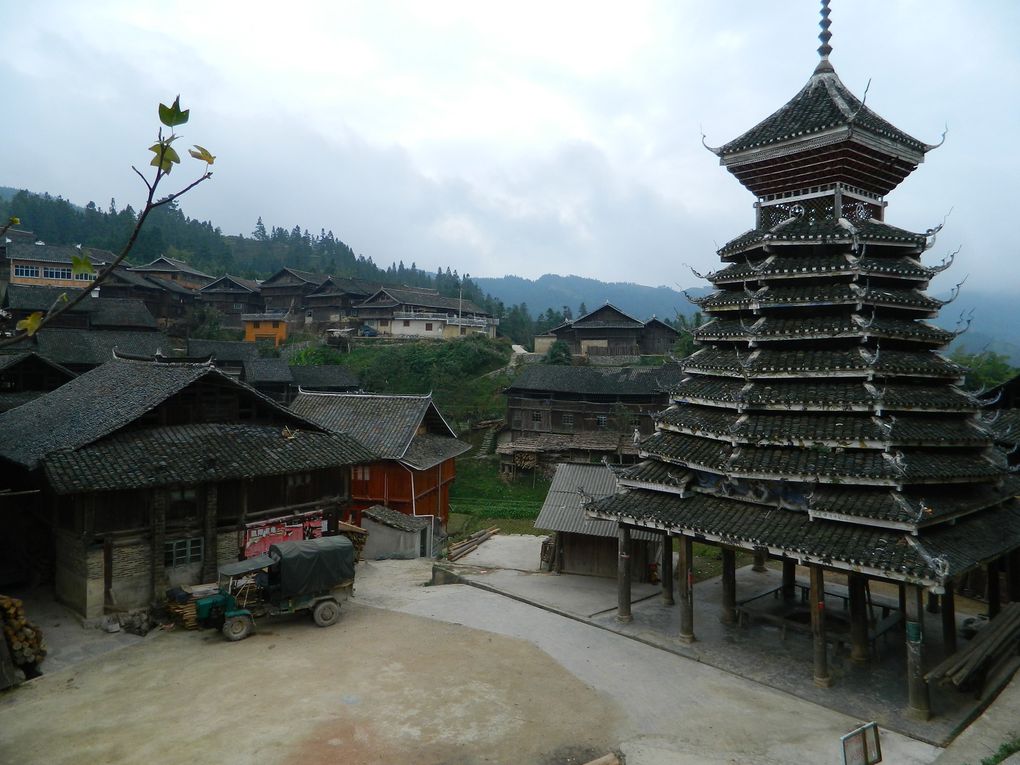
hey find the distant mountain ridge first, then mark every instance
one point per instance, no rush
(555, 291)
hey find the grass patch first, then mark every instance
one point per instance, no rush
(480, 490)
(462, 525)
(1005, 750)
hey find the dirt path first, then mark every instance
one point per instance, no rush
(377, 688)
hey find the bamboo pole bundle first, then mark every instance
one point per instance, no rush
(462, 548)
(998, 637)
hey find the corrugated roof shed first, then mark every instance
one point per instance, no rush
(563, 511)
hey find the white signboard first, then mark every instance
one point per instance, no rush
(861, 746)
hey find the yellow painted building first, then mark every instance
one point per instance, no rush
(265, 327)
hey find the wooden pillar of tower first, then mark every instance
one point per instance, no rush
(666, 570)
(685, 580)
(728, 615)
(918, 701)
(949, 619)
(857, 586)
(761, 557)
(789, 579)
(623, 576)
(993, 589)
(821, 663)
(1013, 576)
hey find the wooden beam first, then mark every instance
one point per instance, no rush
(859, 648)
(918, 700)
(623, 613)
(949, 619)
(686, 582)
(728, 614)
(821, 655)
(789, 579)
(666, 570)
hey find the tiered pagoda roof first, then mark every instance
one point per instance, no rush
(818, 419)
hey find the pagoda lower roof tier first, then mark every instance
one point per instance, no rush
(835, 395)
(910, 509)
(844, 429)
(812, 266)
(771, 329)
(823, 464)
(800, 231)
(929, 558)
(812, 295)
(858, 362)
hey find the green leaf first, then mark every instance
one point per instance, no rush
(14, 220)
(202, 153)
(31, 323)
(172, 116)
(166, 156)
(81, 264)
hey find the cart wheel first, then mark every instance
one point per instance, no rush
(238, 627)
(326, 612)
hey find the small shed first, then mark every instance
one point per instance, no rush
(392, 534)
(585, 545)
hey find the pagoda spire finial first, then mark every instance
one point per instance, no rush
(824, 49)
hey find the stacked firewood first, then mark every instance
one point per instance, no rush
(356, 534)
(183, 614)
(24, 639)
(996, 640)
(460, 549)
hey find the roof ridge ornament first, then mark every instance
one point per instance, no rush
(824, 49)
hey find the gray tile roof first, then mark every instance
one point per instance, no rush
(385, 424)
(395, 519)
(57, 253)
(101, 402)
(163, 263)
(562, 510)
(974, 539)
(607, 316)
(826, 231)
(809, 266)
(228, 283)
(102, 312)
(223, 350)
(609, 381)
(10, 401)
(324, 376)
(765, 363)
(424, 298)
(271, 370)
(817, 295)
(308, 277)
(601, 441)
(824, 103)
(195, 454)
(428, 450)
(83, 347)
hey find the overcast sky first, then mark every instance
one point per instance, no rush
(497, 137)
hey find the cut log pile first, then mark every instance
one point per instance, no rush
(999, 639)
(356, 534)
(462, 548)
(24, 639)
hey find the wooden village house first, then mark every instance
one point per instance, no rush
(287, 288)
(609, 334)
(559, 413)
(419, 312)
(583, 545)
(25, 375)
(151, 473)
(174, 270)
(818, 424)
(232, 296)
(416, 450)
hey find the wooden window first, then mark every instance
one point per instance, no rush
(258, 324)
(276, 325)
(428, 326)
(23, 270)
(601, 421)
(181, 552)
(407, 322)
(362, 473)
(56, 272)
(84, 277)
(568, 419)
(536, 417)
(384, 322)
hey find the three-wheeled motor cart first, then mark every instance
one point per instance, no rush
(311, 575)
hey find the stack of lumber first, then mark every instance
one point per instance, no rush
(24, 639)
(462, 548)
(183, 614)
(998, 639)
(356, 534)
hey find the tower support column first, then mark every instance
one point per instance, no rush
(822, 678)
(623, 613)
(685, 580)
(666, 569)
(729, 586)
(859, 648)
(918, 700)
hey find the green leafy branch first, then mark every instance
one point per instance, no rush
(164, 158)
